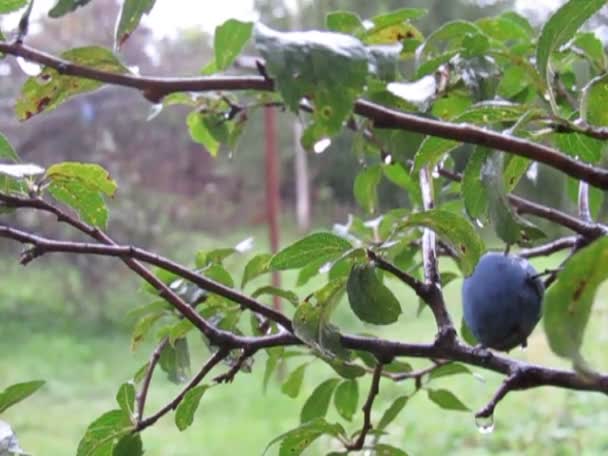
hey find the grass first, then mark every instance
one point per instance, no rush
(84, 365)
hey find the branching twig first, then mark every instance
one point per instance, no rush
(374, 389)
(145, 386)
(549, 248)
(228, 376)
(433, 295)
(509, 384)
(210, 364)
(406, 278)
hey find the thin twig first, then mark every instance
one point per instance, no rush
(172, 405)
(510, 383)
(549, 248)
(584, 211)
(374, 389)
(406, 278)
(145, 386)
(228, 376)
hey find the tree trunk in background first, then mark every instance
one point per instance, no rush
(302, 190)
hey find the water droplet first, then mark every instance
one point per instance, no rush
(29, 68)
(485, 424)
(435, 173)
(325, 268)
(523, 348)
(154, 111)
(388, 159)
(230, 155)
(479, 223)
(321, 145)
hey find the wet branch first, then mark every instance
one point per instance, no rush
(172, 405)
(154, 89)
(374, 389)
(145, 386)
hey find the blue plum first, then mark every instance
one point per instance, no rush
(502, 300)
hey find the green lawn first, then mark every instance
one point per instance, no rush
(84, 367)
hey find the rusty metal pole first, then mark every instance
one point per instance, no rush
(273, 197)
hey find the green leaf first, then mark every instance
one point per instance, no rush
(397, 174)
(450, 34)
(473, 191)
(198, 127)
(229, 40)
(129, 445)
(346, 398)
(143, 326)
(568, 302)
(580, 146)
(446, 400)
(293, 384)
(218, 273)
(184, 414)
(274, 356)
(175, 361)
(365, 187)
(393, 27)
(449, 369)
(82, 186)
(216, 256)
(560, 28)
(593, 103)
(294, 442)
(467, 335)
(509, 226)
(90, 175)
(505, 28)
(63, 7)
(314, 247)
(103, 434)
(18, 392)
(515, 168)
(593, 49)
(129, 17)
(126, 398)
(8, 6)
(311, 320)
(50, 88)
(313, 56)
(392, 412)
(455, 230)
(369, 298)
(7, 151)
(317, 404)
(382, 449)
(289, 296)
(258, 265)
(343, 22)
(345, 369)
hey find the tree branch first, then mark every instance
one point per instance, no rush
(130, 253)
(155, 89)
(549, 248)
(145, 386)
(374, 389)
(172, 405)
(433, 295)
(524, 206)
(409, 280)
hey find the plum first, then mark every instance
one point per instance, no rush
(502, 300)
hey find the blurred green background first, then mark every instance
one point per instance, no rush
(62, 318)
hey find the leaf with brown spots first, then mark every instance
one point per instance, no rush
(568, 303)
(51, 88)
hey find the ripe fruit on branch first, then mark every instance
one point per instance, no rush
(502, 300)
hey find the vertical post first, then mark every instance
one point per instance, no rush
(272, 189)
